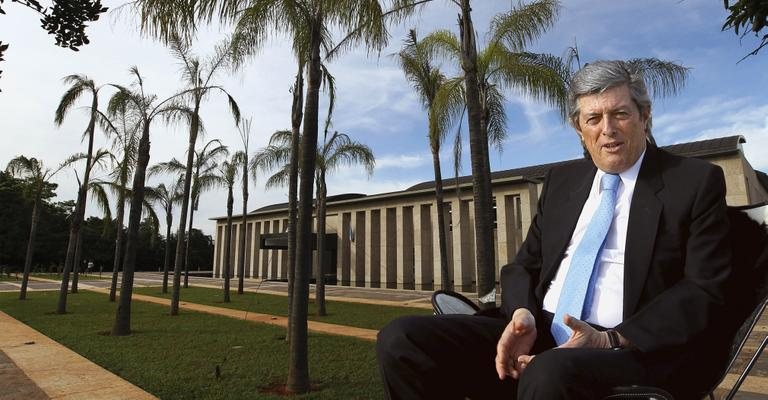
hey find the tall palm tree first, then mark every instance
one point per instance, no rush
(426, 80)
(80, 84)
(338, 151)
(147, 108)
(204, 177)
(242, 161)
(167, 197)
(34, 171)
(228, 171)
(124, 131)
(362, 23)
(503, 64)
(197, 79)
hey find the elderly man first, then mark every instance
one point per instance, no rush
(619, 277)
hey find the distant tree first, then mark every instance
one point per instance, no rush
(747, 16)
(38, 176)
(426, 79)
(80, 84)
(204, 177)
(228, 174)
(66, 20)
(167, 197)
(245, 136)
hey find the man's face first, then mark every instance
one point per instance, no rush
(612, 128)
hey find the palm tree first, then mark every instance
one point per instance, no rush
(35, 172)
(197, 78)
(125, 142)
(307, 23)
(79, 84)
(204, 162)
(426, 80)
(242, 161)
(337, 151)
(166, 196)
(147, 109)
(228, 174)
(503, 64)
(98, 194)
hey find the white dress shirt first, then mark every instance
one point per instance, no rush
(608, 301)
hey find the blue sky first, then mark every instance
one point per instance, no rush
(375, 105)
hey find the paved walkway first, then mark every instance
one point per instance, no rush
(57, 372)
(755, 387)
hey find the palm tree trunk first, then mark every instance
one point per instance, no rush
(30, 246)
(122, 324)
(293, 183)
(119, 236)
(77, 265)
(243, 230)
(180, 237)
(77, 217)
(480, 175)
(167, 260)
(298, 366)
(320, 273)
(187, 245)
(446, 283)
(228, 248)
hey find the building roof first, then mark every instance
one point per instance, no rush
(535, 173)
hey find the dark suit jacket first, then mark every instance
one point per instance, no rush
(676, 257)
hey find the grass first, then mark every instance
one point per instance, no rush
(175, 357)
(13, 277)
(370, 316)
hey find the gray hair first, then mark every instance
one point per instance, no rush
(600, 76)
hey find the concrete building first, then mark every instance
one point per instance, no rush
(389, 240)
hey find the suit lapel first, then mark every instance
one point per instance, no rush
(642, 228)
(565, 216)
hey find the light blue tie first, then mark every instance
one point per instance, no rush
(580, 280)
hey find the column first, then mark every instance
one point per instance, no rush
(373, 248)
(254, 241)
(344, 249)
(423, 234)
(389, 248)
(217, 251)
(265, 253)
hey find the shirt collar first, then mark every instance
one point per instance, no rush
(629, 176)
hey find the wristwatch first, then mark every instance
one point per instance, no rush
(613, 340)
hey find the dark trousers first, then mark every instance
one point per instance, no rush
(452, 357)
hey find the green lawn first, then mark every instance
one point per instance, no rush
(83, 277)
(175, 357)
(369, 316)
(10, 278)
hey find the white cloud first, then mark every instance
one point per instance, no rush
(403, 161)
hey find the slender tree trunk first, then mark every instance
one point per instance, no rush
(119, 236)
(77, 265)
(167, 260)
(180, 237)
(446, 283)
(298, 365)
(77, 217)
(320, 273)
(30, 245)
(293, 183)
(228, 248)
(122, 324)
(243, 230)
(481, 188)
(187, 244)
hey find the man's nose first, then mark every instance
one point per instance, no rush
(609, 126)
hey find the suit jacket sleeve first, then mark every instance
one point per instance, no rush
(520, 278)
(681, 301)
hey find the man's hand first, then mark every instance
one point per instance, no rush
(516, 342)
(584, 335)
